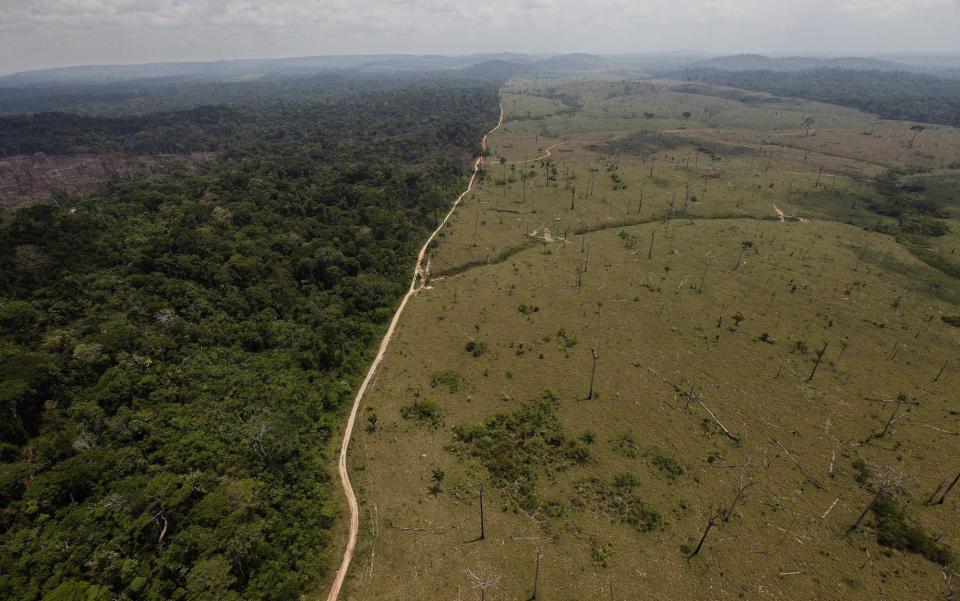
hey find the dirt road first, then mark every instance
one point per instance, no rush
(415, 285)
(549, 151)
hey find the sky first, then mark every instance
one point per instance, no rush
(50, 33)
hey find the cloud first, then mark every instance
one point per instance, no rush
(54, 32)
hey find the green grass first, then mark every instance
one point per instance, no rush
(611, 488)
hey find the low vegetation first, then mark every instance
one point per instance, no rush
(520, 447)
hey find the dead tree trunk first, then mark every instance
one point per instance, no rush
(797, 463)
(593, 372)
(536, 574)
(949, 488)
(886, 427)
(482, 529)
(863, 514)
(819, 358)
(736, 499)
(933, 495)
(710, 524)
(940, 373)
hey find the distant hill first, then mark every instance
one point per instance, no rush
(758, 62)
(473, 65)
(206, 70)
(252, 68)
(498, 69)
(568, 63)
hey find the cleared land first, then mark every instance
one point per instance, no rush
(708, 314)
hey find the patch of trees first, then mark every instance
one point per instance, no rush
(176, 349)
(519, 448)
(890, 94)
(916, 212)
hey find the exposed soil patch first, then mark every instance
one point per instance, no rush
(33, 178)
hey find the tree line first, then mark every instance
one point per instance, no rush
(894, 95)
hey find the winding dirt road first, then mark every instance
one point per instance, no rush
(539, 158)
(416, 284)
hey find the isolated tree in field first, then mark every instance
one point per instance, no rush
(593, 372)
(536, 573)
(703, 276)
(372, 422)
(743, 246)
(503, 174)
(807, 124)
(436, 478)
(482, 584)
(483, 532)
(897, 404)
(916, 129)
(648, 116)
(686, 117)
(819, 358)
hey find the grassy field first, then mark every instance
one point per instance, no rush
(700, 317)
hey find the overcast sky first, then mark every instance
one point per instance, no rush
(47, 33)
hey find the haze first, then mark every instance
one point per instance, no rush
(49, 33)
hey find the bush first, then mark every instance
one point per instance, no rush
(476, 348)
(617, 500)
(625, 445)
(665, 463)
(422, 411)
(894, 530)
(450, 380)
(953, 320)
(517, 448)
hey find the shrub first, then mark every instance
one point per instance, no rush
(528, 309)
(625, 445)
(476, 348)
(517, 448)
(451, 380)
(422, 411)
(617, 500)
(665, 463)
(894, 530)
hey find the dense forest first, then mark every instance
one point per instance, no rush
(176, 350)
(889, 94)
(351, 115)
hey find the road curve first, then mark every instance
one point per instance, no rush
(415, 285)
(539, 158)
